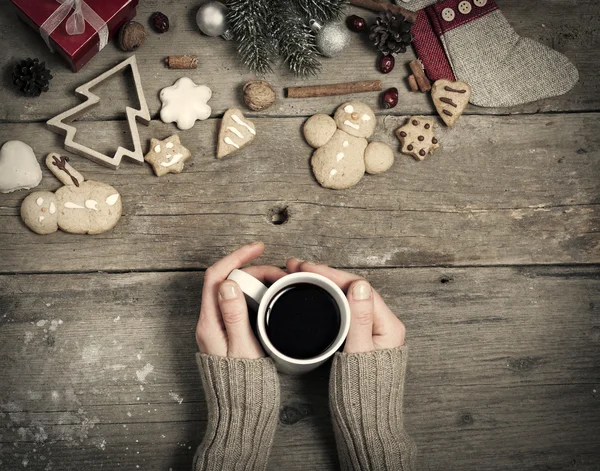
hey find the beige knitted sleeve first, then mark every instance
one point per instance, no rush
(365, 397)
(243, 406)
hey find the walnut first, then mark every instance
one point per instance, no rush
(131, 36)
(258, 95)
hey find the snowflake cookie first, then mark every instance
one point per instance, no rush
(184, 103)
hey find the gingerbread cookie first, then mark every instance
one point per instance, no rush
(417, 137)
(184, 103)
(79, 207)
(60, 167)
(236, 132)
(450, 99)
(19, 168)
(343, 154)
(167, 156)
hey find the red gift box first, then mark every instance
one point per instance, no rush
(77, 49)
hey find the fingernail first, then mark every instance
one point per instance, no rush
(361, 290)
(299, 260)
(229, 290)
(256, 242)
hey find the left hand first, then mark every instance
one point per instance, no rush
(224, 327)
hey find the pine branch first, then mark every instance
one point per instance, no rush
(249, 22)
(295, 41)
(321, 10)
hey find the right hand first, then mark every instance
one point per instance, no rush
(373, 326)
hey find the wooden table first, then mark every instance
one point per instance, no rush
(488, 251)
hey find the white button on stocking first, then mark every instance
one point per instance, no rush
(448, 14)
(480, 3)
(464, 7)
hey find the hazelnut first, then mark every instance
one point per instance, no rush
(258, 95)
(131, 36)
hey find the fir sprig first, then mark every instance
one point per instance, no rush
(321, 10)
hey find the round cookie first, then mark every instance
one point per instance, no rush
(379, 157)
(92, 208)
(39, 212)
(356, 118)
(340, 163)
(318, 129)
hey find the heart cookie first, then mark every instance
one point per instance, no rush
(236, 132)
(450, 99)
(19, 168)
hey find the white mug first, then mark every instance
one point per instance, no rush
(259, 297)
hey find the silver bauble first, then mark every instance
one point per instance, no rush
(331, 38)
(212, 19)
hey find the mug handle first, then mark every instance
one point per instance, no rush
(250, 286)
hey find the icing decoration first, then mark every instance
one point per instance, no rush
(340, 156)
(231, 143)
(169, 145)
(366, 117)
(157, 149)
(184, 103)
(19, 168)
(349, 109)
(112, 199)
(60, 162)
(346, 144)
(91, 204)
(242, 123)
(52, 208)
(41, 218)
(351, 124)
(333, 172)
(170, 158)
(39, 201)
(176, 158)
(235, 131)
(70, 205)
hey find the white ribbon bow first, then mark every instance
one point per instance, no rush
(76, 23)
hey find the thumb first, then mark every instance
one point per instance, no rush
(241, 342)
(362, 308)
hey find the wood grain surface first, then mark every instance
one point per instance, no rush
(489, 251)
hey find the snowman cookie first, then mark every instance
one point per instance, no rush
(79, 207)
(342, 146)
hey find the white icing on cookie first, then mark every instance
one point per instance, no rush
(176, 158)
(346, 144)
(91, 204)
(227, 140)
(52, 208)
(340, 156)
(241, 123)
(39, 201)
(366, 117)
(70, 205)
(235, 131)
(41, 218)
(333, 172)
(157, 149)
(112, 199)
(351, 124)
(169, 145)
(349, 109)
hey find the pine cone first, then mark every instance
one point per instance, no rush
(31, 77)
(390, 33)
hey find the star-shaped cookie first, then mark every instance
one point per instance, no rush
(184, 103)
(167, 156)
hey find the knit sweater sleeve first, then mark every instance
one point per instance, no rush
(243, 404)
(366, 391)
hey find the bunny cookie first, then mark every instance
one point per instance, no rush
(79, 207)
(343, 153)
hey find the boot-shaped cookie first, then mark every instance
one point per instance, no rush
(471, 40)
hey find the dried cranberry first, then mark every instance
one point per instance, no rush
(389, 98)
(160, 22)
(386, 64)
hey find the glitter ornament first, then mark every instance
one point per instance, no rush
(332, 38)
(212, 20)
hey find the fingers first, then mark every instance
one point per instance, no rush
(241, 340)
(362, 314)
(340, 278)
(265, 274)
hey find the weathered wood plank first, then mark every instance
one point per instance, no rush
(502, 190)
(556, 24)
(504, 371)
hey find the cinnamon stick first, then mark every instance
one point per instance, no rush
(334, 89)
(181, 62)
(420, 77)
(412, 83)
(374, 5)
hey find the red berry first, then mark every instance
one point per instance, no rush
(389, 98)
(386, 64)
(356, 23)
(160, 22)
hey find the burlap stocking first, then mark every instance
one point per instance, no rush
(471, 40)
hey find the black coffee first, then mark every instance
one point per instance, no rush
(302, 321)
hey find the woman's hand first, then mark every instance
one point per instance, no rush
(372, 326)
(224, 327)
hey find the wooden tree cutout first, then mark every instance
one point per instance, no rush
(59, 125)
